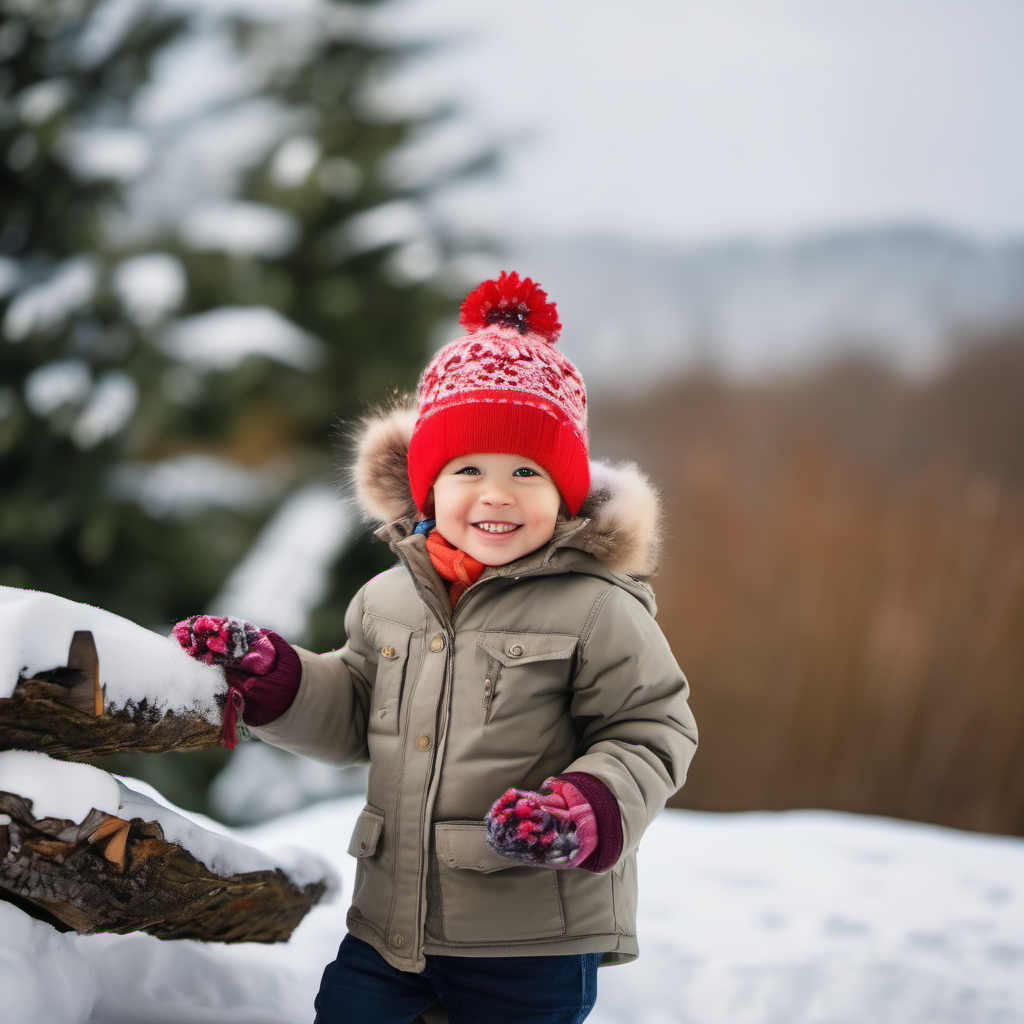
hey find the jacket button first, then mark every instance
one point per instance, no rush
(398, 941)
(422, 742)
(388, 651)
(437, 643)
(516, 651)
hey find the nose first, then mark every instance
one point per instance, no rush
(495, 493)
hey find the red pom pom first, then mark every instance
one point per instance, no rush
(511, 301)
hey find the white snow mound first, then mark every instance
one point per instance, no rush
(135, 663)
(57, 789)
(210, 842)
(44, 977)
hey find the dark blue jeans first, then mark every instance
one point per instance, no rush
(361, 987)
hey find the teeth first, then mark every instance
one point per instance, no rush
(496, 527)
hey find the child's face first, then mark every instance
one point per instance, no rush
(496, 508)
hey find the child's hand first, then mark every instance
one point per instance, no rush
(228, 642)
(554, 827)
(261, 670)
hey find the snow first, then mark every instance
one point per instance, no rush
(261, 782)
(43, 101)
(110, 406)
(115, 153)
(44, 978)
(54, 384)
(212, 843)
(241, 228)
(284, 575)
(294, 161)
(57, 789)
(807, 917)
(813, 916)
(180, 485)
(223, 337)
(388, 224)
(36, 630)
(150, 285)
(45, 305)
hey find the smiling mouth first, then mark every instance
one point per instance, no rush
(497, 528)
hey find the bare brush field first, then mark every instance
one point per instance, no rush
(843, 583)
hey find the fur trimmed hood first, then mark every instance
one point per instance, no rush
(621, 515)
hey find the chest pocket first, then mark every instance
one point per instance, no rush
(523, 671)
(392, 641)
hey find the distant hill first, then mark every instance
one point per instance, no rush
(909, 297)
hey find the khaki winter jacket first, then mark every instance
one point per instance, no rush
(552, 663)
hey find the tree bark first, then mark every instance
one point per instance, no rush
(107, 874)
(33, 718)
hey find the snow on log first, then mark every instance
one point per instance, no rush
(79, 682)
(111, 870)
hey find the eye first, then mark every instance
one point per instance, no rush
(467, 471)
(524, 471)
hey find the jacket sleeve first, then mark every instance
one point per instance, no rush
(327, 719)
(630, 702)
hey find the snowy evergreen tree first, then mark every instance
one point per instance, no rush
(78, 379)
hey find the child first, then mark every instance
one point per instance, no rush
(522, 715)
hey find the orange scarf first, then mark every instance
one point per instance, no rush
(454, 565)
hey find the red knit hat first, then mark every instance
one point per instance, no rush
(503, 388)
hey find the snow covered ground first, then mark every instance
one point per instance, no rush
(767, 918)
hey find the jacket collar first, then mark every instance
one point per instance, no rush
(619, 523)
(559, 555)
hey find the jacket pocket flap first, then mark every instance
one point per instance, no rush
(391, 639)
(463, 844)
(522, 648)
(366, 834)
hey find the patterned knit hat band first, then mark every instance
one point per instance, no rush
(498, 362)
(504, 388)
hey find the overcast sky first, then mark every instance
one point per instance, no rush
(689, 120)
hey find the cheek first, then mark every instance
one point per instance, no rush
(545, 514)
(449, 504)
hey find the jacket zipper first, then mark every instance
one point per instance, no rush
(430, 792)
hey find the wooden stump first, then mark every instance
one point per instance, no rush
(107, 874)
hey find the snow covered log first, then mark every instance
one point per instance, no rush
(78, 682)
(108, 873)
